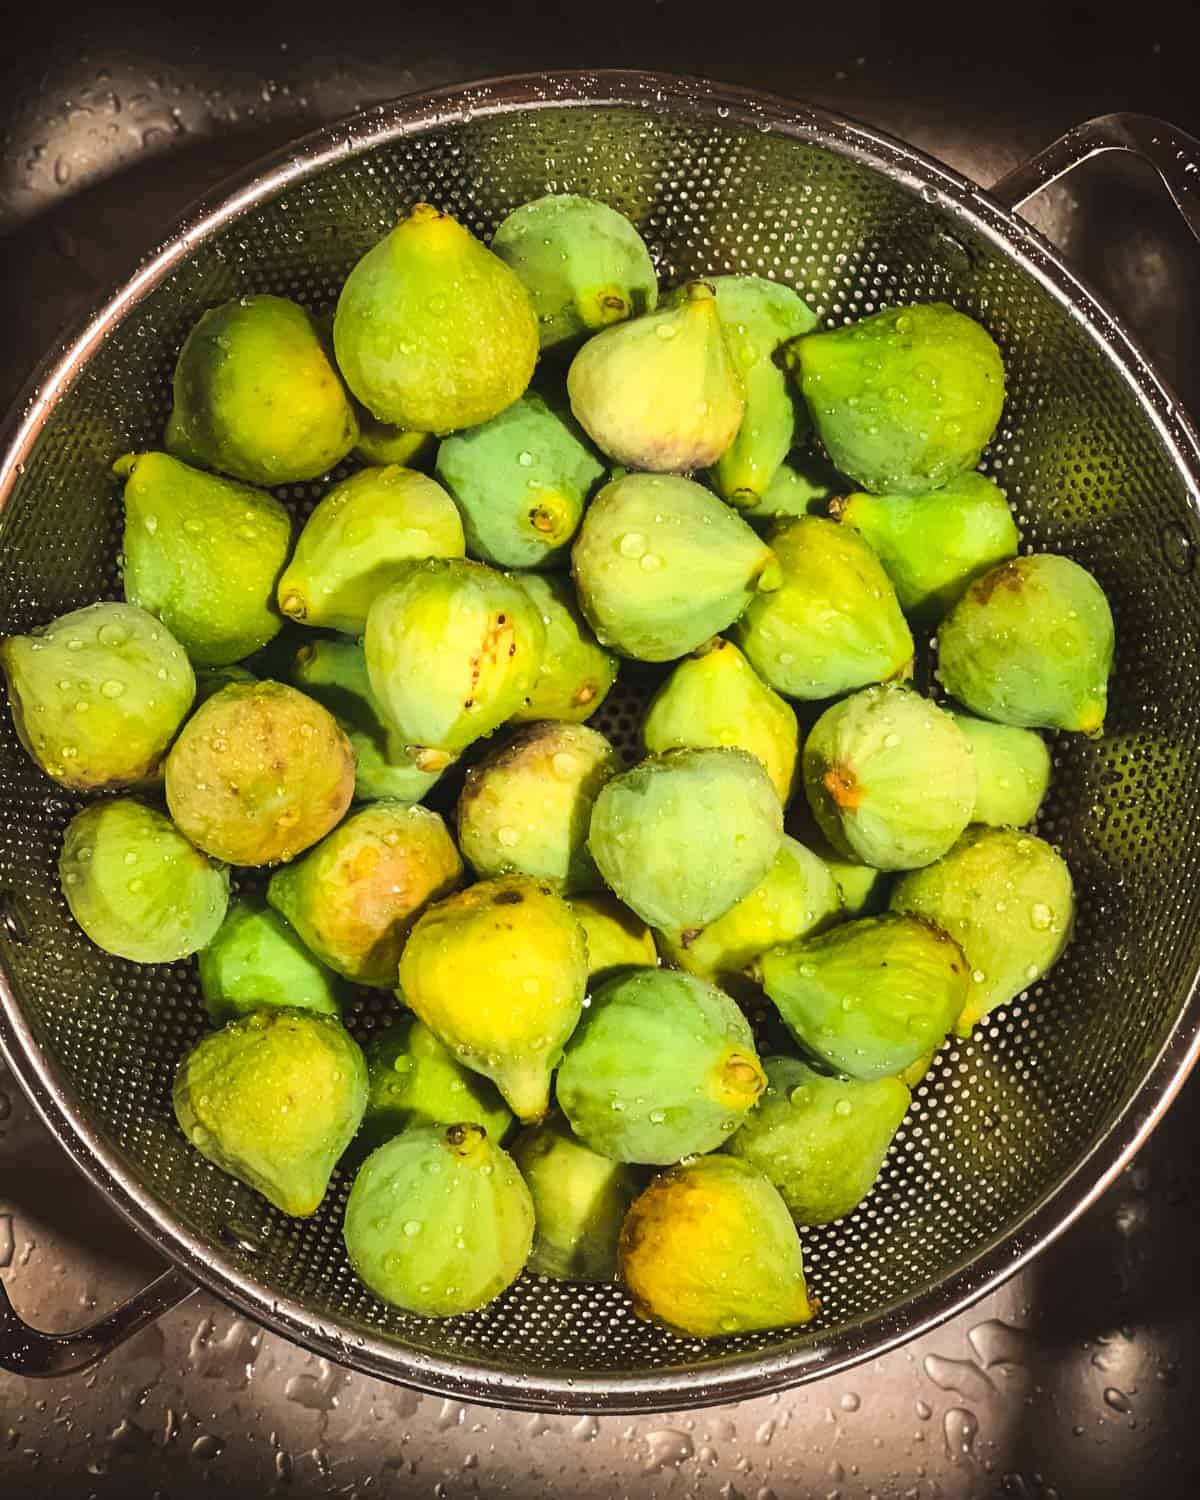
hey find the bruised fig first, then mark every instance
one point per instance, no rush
(662, 392)
(433, 332)
(521, 482)
(903, 400)
(274, 1099)
(498, 972)
(439, 1220)
(136, 886)
(820, 1140)
(97, 695)
(890, 778)
(870, 997)
(576, 672)
(257, 396)
(1012, 767)
(525, 807)
(416, 1080)
(355, 897)
(662, 1066)
(709, 1249)
(683, 836)
(203, 553)
(1031, 643)
(453, 649)
(580, 1200)
(335, 674)
(357, 541)
(259, 773)
(1007, 899)
(583, 264)
(662, 565)
(798, 895)
(933, 545)
(715, 697)
(616, 939)
(834, 624)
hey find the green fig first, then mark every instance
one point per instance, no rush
(583, 264)
(715, 697)
(355, 896)
(97, 695)
(662, 565)
(662, 1066)
(439, 1221)
(933, 545)
(415, 1080)
(1008, 901)
(803, 486)
(358, 540)
(709, 1249)
(525, 807)
(433, 332)
(616, 939)
(136, 886)
(820, 1140)
(686, 834)
(576, 672)
(870, 997)
(580, 1200)
(797, 896)
(890, 777)
(758, 316)
(521, 482)
(381, 443)
(335, 674)
(863, 888)
(256, 960)
(453, 649)
(203, 553)
(210, 680)
(834, 624)
(916, 1071)
(274, 1099)
(257, 396)
(662, 392)
(259, 773)
(498, 973)
(904, 400)
(1012, 767)
(1031, 644)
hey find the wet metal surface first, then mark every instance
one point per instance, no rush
(1078, 1379)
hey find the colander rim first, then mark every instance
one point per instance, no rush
(740, 1376)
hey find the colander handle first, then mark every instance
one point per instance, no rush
(1173, 154)
(27, 1351)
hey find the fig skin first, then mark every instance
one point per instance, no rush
(1031, 644)
(1008, 900)
(98, 695)
(135, 885)
(710, 1249)
(439, 1220)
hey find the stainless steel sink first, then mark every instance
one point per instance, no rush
(1076, 1379)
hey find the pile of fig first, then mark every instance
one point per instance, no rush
(652, 1014)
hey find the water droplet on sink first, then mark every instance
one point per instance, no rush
(960, 1427)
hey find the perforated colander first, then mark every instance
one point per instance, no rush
(1015, 1129)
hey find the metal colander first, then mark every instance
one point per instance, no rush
(1014, 1129)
